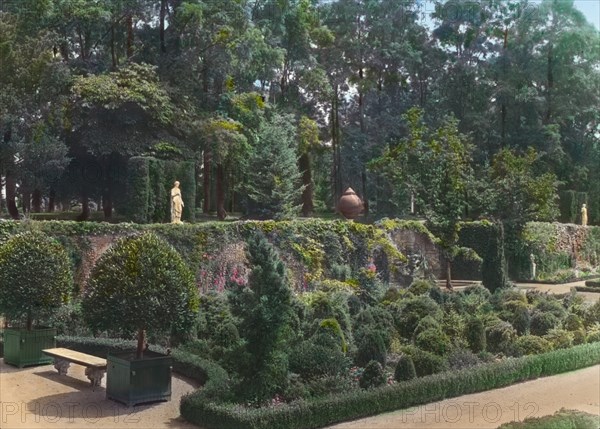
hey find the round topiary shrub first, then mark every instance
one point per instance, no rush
(433, 340)
(405, 368)
(141, 283)
(420, 287)
(411, 311)
(461, 359)
(542, 322)
(35, 277)
(371, 346)
(500, 337)
(373, 376)
(426, 363)
(532, 345)
(320, 356)
(426, 323)
(476, 335)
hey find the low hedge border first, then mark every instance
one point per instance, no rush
(595, 289)
(184, 363)
(199, 409)
(593, 283)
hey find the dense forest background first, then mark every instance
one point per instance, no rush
(487, 108)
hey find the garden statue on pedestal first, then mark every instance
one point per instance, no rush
(584, 217)
(533, 266)
(176, 203)
(35, 278)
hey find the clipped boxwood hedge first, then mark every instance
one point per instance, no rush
(198, 409)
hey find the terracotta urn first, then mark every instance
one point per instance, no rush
(350, 205)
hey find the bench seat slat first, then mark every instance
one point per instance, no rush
(76, 357)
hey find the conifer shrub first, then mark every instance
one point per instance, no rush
(371, 346)
(500, 337)
(405, 368)
(420, 287)
(433, 340)
(263, 308)
(532, 345)
(573, 322)
(409, 312)
(475, 333)
(318, 356)
(426, 323)
(426, 363)
(560, 338)
(542, 322)
(592, 314)
(462, 358)
(373, 376)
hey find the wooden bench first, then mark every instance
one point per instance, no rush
(95, 366)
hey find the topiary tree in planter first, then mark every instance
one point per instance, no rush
(35, 279)
(140, 284)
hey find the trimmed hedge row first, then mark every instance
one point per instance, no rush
(570, 205)
(594, 289)
(198, 409)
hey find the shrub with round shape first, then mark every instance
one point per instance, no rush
(420, 287)
(139, 284)
(426, 363)
(35, 277)
(405, 368)
(373, 376)
(532, 345)
(500, 337)
(542, 322)
(409, 313)
(462, 358)
(433, 340)
(371, 346)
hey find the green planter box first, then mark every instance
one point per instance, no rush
(24, 348)
(134, 381)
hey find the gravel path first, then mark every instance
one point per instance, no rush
(38, 397)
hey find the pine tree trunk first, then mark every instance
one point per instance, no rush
(26, 201)
(449, 274)
(11, 187)
(36, 201)
(129, 23)
(221, 213)
(141, 343)
(85, 208)
(206, 182)
(163, 14)
(51, 201)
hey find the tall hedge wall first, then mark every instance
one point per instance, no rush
(570, 206)
(487, 240)
(149, 182)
